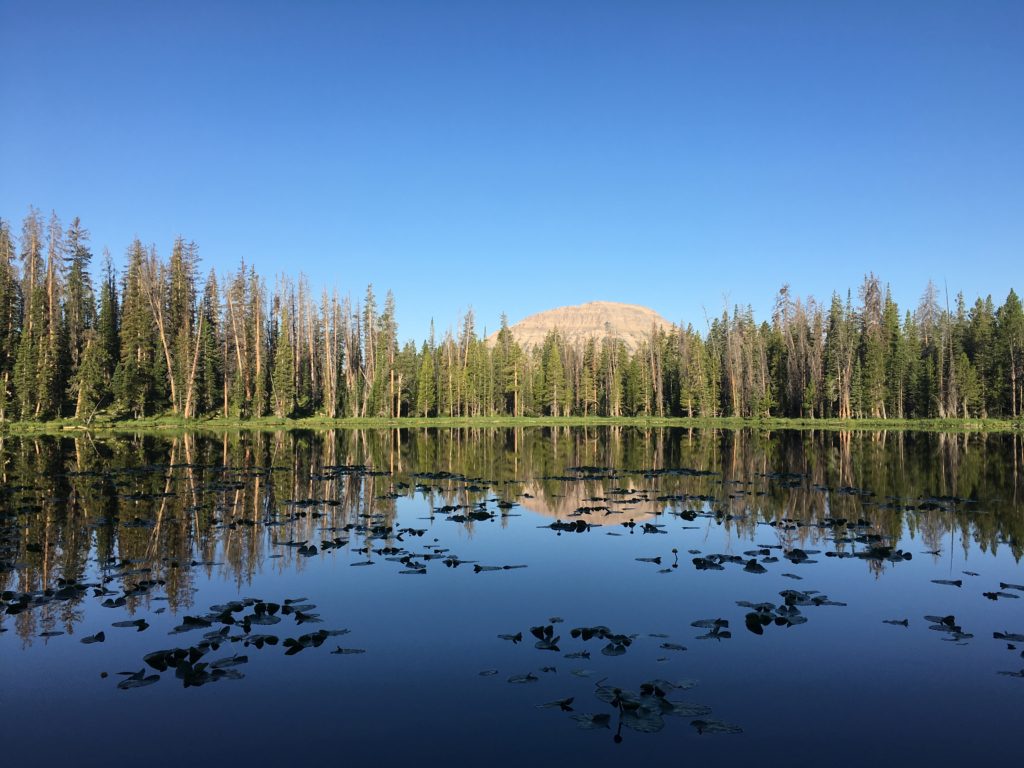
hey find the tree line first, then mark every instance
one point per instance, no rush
(160, 338)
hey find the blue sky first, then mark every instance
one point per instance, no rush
(514, 156)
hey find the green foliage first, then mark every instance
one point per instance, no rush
(284, 368)
(426, 390)
(210, 363)
(79, 299)
(136, 375)
(91, 384)
(29, 355)
(554, 389)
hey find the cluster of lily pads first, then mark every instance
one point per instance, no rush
(643, 710)
(237, 619)
(412, 562)
(786, 614)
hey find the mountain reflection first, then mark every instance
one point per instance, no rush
(149, 507)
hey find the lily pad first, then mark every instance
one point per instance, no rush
(715, 726)
(529, 677)
(137, 680)
(593, 722)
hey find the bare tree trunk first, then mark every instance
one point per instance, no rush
(515, 390)
(257, 311)
(153, 283)
(451, 392)
(238, 348)
(314, 382)
(225, 378)
(1013, 386)
(329, 354)
(190, 387)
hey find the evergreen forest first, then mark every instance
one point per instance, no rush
(156, 337)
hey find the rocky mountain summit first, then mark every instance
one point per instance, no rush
(594, 320)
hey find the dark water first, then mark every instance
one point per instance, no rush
(206, 539)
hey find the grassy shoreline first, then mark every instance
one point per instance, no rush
(172, 423)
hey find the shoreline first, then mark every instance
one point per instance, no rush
(171, 423)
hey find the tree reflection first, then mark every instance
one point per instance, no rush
(154, 507)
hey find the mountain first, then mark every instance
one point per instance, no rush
(595, 319)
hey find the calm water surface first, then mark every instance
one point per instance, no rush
(341, 596)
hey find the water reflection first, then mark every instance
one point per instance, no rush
(153, 510)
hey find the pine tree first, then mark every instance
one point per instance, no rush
(407, 368)
(840, 353)
(634, 400)
(445, 363)
(237, 358)
(588, 379)
(478, 378)
(283, 378)
(895, 359)
(980, 343)
(108, 321)
(509, 376)
(555, 396)
(180, 322)
(1010, 331)
(467, 382)
(10, 317)
(29, 353)
(331, 353)
(52, 357)
(911, 351)
(352, 358)
(210, 376)
(687, 385)
(33, 332)
(426, 389)
(80, 300)
(370, 383)
(931, 328)
(258, 343)
(31, 258)
(873, 347)
(385, 349)
(91, 383)
(136, 376)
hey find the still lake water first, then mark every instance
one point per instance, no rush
(253, 553)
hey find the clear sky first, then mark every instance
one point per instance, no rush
(516, 156)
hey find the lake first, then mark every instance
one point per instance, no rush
(508, 596)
